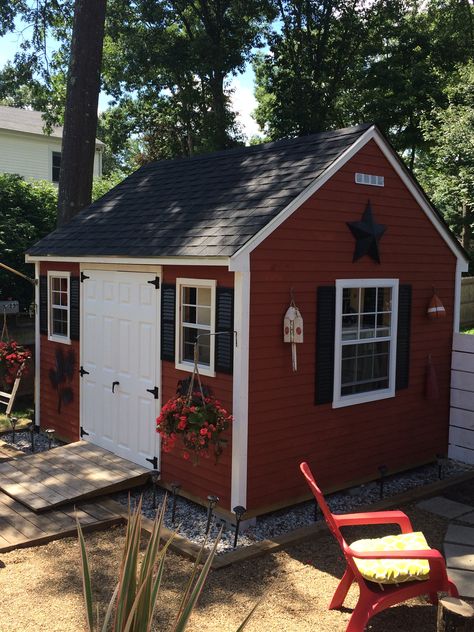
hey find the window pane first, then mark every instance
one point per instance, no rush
(189, 338)
(384, 299)
(350, 300)
(64, 297)
(56, 298)
(368, 295)
(204, 296)
(189, 295)
(365, 367)
(55, 283)
(189, 314)
(63, 284)
(204, 316)
(349, 327)
(367, 329)
(59, 322)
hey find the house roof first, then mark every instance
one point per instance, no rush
(203, 206)
(29, 122)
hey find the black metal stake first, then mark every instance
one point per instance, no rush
(155, 477)
(13, 423)
(441, 460)
(174, 491)
(31, 428)
(49, 432)
(239, 512)
(383, 469)
(213, 500)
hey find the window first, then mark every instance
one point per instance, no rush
(371, 180)
(58, 308)
(365, 340)
(195, 322)
(56, 166)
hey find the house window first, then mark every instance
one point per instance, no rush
(58, 308)
(56, 166)
(365, 340)
(196, 315)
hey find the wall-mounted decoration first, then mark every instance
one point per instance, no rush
(436, 308)
(367, 235)
(61, 376)
(293, 330)
(431, 381)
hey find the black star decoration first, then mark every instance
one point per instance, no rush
(367, 234)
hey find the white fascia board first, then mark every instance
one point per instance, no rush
(170, 261)
(37, 348)
(240, 388)
(371, 134)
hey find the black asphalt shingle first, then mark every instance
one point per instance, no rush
(204, 206)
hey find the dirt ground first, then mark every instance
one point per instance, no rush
(41, 590)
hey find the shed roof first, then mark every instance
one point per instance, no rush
(204, 206)
(29, 122)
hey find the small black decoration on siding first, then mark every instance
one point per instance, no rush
(61, 376)
(367, 234)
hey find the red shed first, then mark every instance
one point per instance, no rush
(224, 243)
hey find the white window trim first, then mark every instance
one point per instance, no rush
(349, 400)
(208, 371)
(61, 274)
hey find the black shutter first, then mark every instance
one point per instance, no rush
(325, 329)
(43, 304)
(224, 346)
(74, 301)
(168, 308)
(403, 337)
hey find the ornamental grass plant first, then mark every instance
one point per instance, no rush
(133, 602)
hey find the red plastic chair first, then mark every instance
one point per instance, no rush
(372, 597)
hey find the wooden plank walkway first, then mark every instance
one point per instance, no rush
(66, 475)
(8, 452)
(20, 527)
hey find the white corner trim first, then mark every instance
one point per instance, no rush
(37, 346)
(305, 195)
(461, 266)
(240, 388)
(157, 261)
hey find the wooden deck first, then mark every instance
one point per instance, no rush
(67, 475)
(8, 452)
(21, 527)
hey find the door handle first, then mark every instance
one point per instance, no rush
(114, 384)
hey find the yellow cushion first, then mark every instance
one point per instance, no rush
(393, 571)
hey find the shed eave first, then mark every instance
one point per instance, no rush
(182, 260)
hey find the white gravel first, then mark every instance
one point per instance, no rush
(191, 519)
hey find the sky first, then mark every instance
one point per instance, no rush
(243, 99)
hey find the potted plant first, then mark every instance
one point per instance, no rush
(195, 424)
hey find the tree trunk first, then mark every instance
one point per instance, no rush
(80, 117)
(455, 615)
(466, 227)
(220, 137)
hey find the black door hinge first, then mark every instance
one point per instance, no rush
(83, 372)
(84, 277)
(155, 282)
(154, 391)
(154, 462)
(83, 432)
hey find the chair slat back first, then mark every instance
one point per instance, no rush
(318, 494)
(8, 399)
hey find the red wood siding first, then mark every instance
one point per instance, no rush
(315, 247)
(66, 423)
(205, 478)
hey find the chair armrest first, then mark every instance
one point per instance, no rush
(422, 554)
(375, 517)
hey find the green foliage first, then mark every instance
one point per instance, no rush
(101, 186)
(137, 592)
(27, 213)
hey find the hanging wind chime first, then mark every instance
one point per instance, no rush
(293, 330)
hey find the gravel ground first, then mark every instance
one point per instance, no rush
(23, 441)
(191, 519)
(41, 587)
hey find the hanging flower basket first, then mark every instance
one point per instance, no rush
(14, 362)
(194, 424)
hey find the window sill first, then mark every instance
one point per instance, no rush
(62, 339)
(203, 370)
(363, 398)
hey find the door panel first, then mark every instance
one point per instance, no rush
(120, 340)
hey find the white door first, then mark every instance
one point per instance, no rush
(120, 354)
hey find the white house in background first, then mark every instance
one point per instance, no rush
(26, 150)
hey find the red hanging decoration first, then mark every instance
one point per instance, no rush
(431, 382)
(436, 309)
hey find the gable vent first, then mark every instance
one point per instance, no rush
(367, 178)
